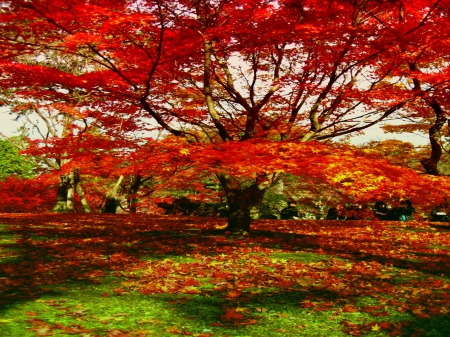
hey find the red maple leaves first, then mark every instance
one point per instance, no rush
(356, 262)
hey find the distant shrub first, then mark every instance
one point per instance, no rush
(185, 206)
(25, 196)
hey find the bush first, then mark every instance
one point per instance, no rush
(185, 206)
(25, 195)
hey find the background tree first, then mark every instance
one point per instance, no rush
(20, 189)
(12, 162)
(418, 61)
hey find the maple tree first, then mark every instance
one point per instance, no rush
(58, 123)
(250, 86)
(420, 65)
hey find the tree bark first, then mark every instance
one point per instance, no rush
(71, 193)
(431, 164)
(110, 204)
(61, 196)
(131, 197)
(65, 198)
(84, 203)
(244, 200)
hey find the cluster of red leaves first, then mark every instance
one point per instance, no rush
(359, 174)
(400, 266)
(25, 195)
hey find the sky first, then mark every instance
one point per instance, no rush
(8, 128)
(377, 134)
(7, 125)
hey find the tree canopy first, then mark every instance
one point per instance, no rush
(250, 87)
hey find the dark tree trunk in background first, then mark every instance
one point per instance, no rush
(111, 202)
(110, 206)
(61, 196)
(431, 164)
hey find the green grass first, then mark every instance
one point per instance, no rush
(300, 256)
(159, 314)
(57, 280)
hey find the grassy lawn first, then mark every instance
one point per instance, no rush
(101, 275)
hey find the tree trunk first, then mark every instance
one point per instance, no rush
(131, 197)
(84, 203)
(61, 196)
(431, 164)
(243, 201)
(110, 204)
(71, 193)
(65, 199)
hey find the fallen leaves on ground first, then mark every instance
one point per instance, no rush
(402, 268)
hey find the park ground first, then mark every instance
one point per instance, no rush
(122, 275)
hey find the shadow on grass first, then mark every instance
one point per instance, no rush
(82, 249)
(281, 310)
(438, 326)
(368, 248)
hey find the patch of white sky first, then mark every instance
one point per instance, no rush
(373, 133)
(10, 126)
(36, 128)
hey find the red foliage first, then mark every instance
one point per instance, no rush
(26, 195)
(236, 77)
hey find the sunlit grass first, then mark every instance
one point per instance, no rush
(318, 279)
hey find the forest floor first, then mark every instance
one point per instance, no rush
(122, 275)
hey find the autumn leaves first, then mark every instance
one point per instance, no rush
(361, 277)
